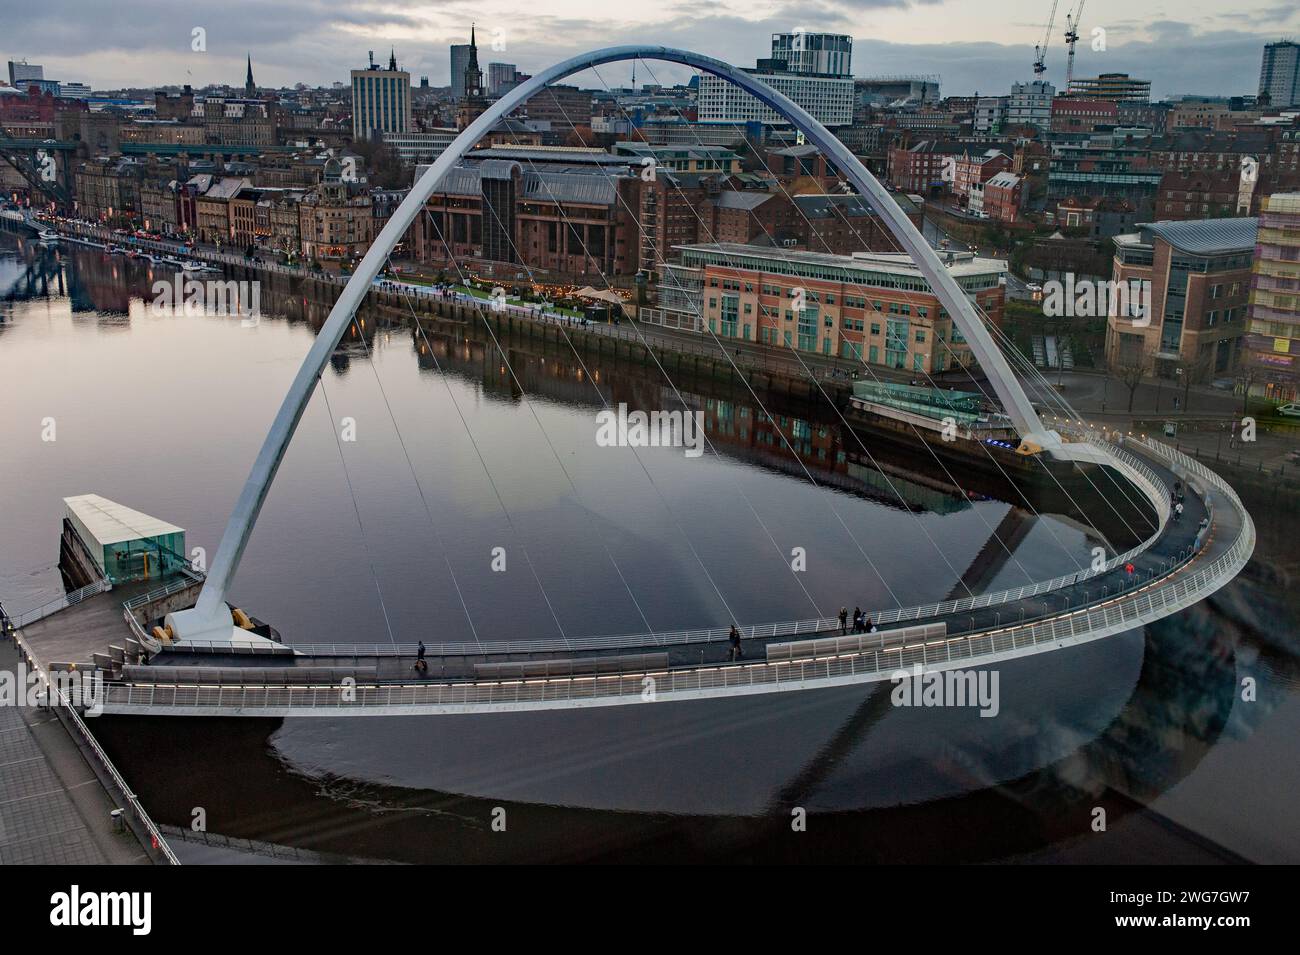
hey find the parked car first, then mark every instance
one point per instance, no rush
(1291, 409)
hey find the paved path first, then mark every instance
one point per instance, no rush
(53, 810)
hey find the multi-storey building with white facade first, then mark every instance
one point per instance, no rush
(990, 114)
(423, 147)
(1030, 104)
(828, 98)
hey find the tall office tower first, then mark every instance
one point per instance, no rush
(824, 54)
(500, 75)
(22, 73)
(381, 100)
(1279, 74)
(459, 60)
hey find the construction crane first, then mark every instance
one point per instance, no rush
(1040, 51)
(1071, 38)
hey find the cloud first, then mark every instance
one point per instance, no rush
(147, 42)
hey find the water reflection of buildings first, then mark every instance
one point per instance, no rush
(95, 283)
(35, 273)
(568, 382)
(735, 430)
(99, 282)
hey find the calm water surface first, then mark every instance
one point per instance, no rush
(390, 537)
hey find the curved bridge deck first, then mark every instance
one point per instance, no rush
(1177, 567)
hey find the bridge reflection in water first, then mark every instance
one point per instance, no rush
(207, 667)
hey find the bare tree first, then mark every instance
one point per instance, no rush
(1194, 370)
(1132, 370)
(1247, 374)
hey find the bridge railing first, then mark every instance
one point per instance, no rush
(1138, 471)
(104, 768)
(188, 578)
(20, 620)
(1119, 614)
(1125, 611)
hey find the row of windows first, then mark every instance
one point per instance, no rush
(893, 308)
(830, 273)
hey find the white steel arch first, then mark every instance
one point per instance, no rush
(210, 621)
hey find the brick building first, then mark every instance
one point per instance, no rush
(871, 306)
(1199, 275)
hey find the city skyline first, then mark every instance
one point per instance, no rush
(149, 46)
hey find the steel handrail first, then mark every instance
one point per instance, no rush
(1123, 613)
(1154, 488)
(59, 603)
(972, 649)
(1172, 591)
(64, 706)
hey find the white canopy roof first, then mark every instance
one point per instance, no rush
(112, 523)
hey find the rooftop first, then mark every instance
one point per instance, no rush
(1204, 236)
(964, 264)
(112, 523)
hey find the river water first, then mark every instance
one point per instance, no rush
(422, 460)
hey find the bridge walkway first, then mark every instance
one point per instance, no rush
(387, 666)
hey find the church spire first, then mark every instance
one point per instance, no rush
(473, 75)
(250, 88)
(392, 60)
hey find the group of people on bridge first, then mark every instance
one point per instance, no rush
(861, 622)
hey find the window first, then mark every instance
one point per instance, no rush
(808, 329)
(896, 342)
(729, 311)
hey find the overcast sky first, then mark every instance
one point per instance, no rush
(1194, 46)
